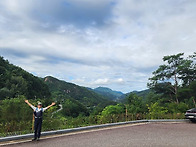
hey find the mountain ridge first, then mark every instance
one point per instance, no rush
(142, 93)
(61, 89)
(15, 81)
(21, 82)
(109, 93)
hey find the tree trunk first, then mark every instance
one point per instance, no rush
(176, 88)
(194, 102)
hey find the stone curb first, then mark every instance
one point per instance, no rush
(18, 137)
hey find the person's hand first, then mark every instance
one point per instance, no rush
(53, 103)
(26, 101)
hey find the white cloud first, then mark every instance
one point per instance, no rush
(101, 81)
(117, 43)
(120, 80)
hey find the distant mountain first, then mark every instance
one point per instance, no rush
(15, 81)
(109, 93)
(142, 93)
(61, 89)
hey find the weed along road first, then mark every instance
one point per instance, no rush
(179, 134)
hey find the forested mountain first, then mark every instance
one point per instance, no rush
(15, 81)
(61, 90)
(142, 93)
(109, 93)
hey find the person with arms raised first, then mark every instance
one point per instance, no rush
(38, 113)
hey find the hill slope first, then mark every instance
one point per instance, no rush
(15, 81)
(61, 90)
(109, 93)
(142, 93)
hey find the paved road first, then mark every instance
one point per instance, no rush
(142, 135)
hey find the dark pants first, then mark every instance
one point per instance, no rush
(37, 127)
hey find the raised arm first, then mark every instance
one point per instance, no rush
(50, 105)
(26, 101)
(33, 107)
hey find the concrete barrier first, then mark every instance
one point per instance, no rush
(11, 138)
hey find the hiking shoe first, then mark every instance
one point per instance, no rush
(33, 139)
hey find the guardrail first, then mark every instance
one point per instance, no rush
(11, 138)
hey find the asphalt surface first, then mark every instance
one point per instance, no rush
(140, 135)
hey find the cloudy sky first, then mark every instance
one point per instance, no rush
(110, 43)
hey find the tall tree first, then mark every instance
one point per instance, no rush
(135, 104)
(187, 70)
(169, 72)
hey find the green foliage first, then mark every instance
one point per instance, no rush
(51, 124)
(61, 90)
(73, 108)
(141, 94)
(15, 81)
(15, 115)
(192, 87)
(174, 78)
(113, 109)
(155, 110)
(14, 110)
(152, 98)
(177, 108)
(135, 104)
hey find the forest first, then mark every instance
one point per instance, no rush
(172, 91)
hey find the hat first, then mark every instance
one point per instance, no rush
(39, 103)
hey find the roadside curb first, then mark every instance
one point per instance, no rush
(168, 120)
(18, 137)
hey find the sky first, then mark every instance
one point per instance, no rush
(108, 43)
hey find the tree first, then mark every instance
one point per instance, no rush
(135, 104)
(15, 110)
(177, 108)
(155, 110)
(113, 109)
(15, 81)
(175, 73)
(187, 71)
(152, 98)
(73, 108)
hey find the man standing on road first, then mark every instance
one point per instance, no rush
(38, 113)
